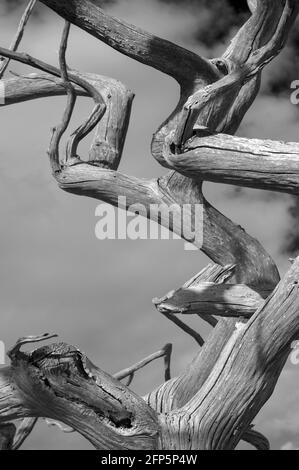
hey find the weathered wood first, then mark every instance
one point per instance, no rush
(19, 35)
(132, 41)
(211, 405)
(208, 298)
(253, 163)
(130, 371)
(256, 439)
(243, 378)
(59, 382)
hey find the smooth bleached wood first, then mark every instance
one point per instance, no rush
(253, 163)
(224, 300)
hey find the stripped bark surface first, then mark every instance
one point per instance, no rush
(214, 402)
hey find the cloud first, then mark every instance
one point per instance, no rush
(289, 446)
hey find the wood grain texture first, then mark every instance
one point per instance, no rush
(252, 360)
(60, 383)
(212, 403)
(208, 298)
(253, 163)
(132, 41)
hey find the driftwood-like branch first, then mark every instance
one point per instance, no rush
(220, 236)
(254, 34)
(224, 300)
(24, 429)
(4, 63)
(59, 382)
(186, 328)
(35, 86)
(71, 101)
(215, 116)
(94, 182)
(13, 435)
(130, 371)
(256, 439)
(232, 83)
(222, 410)
(201, 409)
(132, 41)
(261, 164)
(256, 31)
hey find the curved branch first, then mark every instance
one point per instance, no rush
(132, 41)
(252, 163)
(223, 241)
(164, 352)
(59, 130)
(208, 298)
(224, 114)
(255, 32)
(256, 439)
(35, 86)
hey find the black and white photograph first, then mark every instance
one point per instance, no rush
(149, 241)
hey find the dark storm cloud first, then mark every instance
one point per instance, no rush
(223, 16)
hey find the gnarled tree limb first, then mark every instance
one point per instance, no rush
(201, 409)
(59, 382)
(132, 41)
(253, 163)
(208, 298)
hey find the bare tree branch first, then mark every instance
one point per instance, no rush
(261, 164)
(24, 429)
(19, 35)
(71, 101)
(226, 300)
(255, 32)
(253, 360)
(233, 82)
(132, 41)
(256, 439)
(130, 371)
(201, 408)
(60, 383)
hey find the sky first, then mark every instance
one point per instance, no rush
(56, 277)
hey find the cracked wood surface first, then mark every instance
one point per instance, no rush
(212, 404)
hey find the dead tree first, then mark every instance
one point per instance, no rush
(213, 403)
